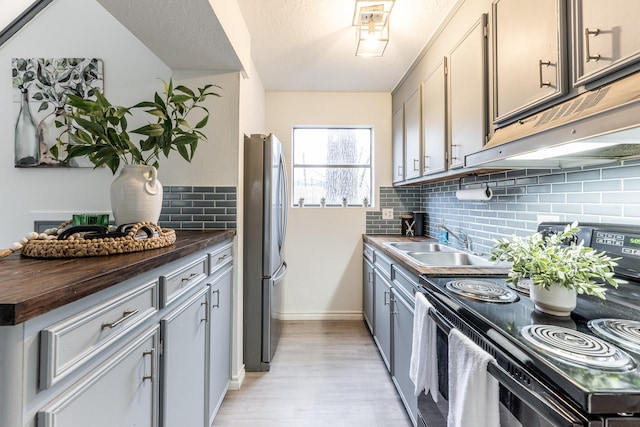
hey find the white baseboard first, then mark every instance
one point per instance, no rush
(340, 315)
(237, 380)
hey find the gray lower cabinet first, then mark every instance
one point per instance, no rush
(104, 397)
(402, 310)
(367, 292)
(151, 351)
(183, 362)
(221, 298)
(382, 319)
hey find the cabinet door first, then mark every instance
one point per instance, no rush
(434, 121)
(529, 41)
(183, 363)
(382, 317)
(219, 340)
(367, 293)
(412, 116)
(402, 322)
(105, 397)
(606, 35)
(398, 144)
(468, 94)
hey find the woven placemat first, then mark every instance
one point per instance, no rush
(77, 246)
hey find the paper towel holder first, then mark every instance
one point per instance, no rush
(484, 193)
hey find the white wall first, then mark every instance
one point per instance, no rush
(324, 245)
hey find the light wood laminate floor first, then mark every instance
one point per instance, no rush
(324, 374)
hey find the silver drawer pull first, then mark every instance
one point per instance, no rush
(186, 279)
(223, 257)
(588, 33)
(127, 314)
(152, 372)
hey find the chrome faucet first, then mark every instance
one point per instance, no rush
(462, 237)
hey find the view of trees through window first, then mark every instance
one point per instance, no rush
(332, 166)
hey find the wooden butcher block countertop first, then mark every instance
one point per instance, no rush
(30, 287)
(379, 240)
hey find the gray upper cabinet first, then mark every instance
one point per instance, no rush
(398, 144)
(529, 55)
(434, 121)
(468, 93)
(606, 37)
(412, 136)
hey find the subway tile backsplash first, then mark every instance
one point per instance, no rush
(596, 194)
(194, 207)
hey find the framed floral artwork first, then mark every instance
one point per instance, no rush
(40, 93)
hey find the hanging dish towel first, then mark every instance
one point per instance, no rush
(473, 392)
(423, 369)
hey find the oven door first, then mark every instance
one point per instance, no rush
(530, 405)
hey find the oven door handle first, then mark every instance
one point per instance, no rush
(546, 407)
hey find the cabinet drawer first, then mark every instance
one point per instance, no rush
(405, 283)
(382, 264)
(176, 283)
(69, 344)
(368, 252)
(220, 257)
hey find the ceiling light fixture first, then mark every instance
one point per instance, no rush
(372, 21)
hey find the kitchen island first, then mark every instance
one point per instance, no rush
(150, 327)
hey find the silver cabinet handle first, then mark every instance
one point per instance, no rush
(399, 170)
(385, 302)
(587, 34)
(153, 364)
(223, 257)
(370, 276)
(217, 304)
(540, 64)
(191, 276)
(416, 168)
(206, 312)
(125, 315)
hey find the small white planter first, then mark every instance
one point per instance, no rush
(136, 195)
(556, 300)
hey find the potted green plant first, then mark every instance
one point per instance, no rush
(558, 268)
(98, 130)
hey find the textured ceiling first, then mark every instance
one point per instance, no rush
(309, 45)
(297, 45)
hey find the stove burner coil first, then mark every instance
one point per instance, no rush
(622, 332)
(577, 348)
(482, 290)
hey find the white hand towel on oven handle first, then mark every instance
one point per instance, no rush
(423, 369)
(473, 392)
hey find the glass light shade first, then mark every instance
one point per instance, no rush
(372, 41)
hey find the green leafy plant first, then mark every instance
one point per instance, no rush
(98, 129)
(556, 258)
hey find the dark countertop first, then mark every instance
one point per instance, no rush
(378, 240)
(30, 287)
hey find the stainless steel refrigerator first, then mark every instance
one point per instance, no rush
(265, 225)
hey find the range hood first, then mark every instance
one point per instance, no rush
(596, 127)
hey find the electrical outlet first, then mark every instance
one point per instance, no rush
(387, 213)
(548, 218)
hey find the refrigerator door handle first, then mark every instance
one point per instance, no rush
(279, 275)
(284, 203)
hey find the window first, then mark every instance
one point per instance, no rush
(332, 166)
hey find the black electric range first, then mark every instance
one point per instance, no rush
(591, 360)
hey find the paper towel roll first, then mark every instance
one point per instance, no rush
(474, 194)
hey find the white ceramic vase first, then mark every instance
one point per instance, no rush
(136, 195)
(555, 300)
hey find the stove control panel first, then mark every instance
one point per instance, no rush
(625, 245)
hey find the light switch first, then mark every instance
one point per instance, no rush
(387, 213)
